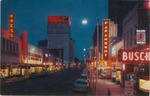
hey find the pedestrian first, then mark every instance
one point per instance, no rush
(109, 93)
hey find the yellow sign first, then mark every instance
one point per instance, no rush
(11, 25)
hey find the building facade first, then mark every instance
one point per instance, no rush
(10, 53)
(117, 10)
(136, 37)
(59, 35)
(71, 50)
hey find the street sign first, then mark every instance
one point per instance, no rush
(129, 88)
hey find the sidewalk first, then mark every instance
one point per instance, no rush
(103, 85)
(8, 80)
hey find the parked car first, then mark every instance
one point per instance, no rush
(81, 85)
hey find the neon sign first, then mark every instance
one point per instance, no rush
(59, 19)
(135, 56)
(105, 39)
(11, 25)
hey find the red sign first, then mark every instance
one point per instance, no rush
(140, 37)
(11, 25)
(105, 39)
(135, 56)
(59, 19)
(129, 88)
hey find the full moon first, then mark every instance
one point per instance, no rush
(84, 21)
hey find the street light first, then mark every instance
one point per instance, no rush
(97, 54)
(84, 49)
(84, 58)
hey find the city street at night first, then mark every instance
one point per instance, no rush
(75, 47)
(59, 83)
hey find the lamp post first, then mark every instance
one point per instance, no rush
(97, 55)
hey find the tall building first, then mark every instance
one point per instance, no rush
(117, 10)
(136, 32)
(42, 43)
(90, 53)
(59, 36)
(71, 49)
(136, 20)
(113, 29)
(95, 39)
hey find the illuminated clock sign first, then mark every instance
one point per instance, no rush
(106, 38)
(11, 25)
(140, 37)
(135, 56)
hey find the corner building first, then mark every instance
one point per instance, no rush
(59, 36)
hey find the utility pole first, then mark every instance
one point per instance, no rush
(97, 55)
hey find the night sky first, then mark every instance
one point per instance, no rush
(31, 15)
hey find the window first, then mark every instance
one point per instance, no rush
(124, 40)
(7, 44)
(13, 46)
(131, 37)
(135, 34)
(3, 43)
(127, 39)
(16, 47)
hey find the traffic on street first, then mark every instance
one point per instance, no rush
(59, 83)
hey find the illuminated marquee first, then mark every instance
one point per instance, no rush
(135, 56)
(105, 39)
(11, 25)
(59, 19)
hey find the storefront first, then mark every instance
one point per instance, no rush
(36, 68)
(136, 68)
(144, 85)
(10, 54)
(4, 71)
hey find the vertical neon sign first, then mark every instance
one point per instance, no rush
(106, 39)
(11, 26)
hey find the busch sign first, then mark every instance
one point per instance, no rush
(135, 56)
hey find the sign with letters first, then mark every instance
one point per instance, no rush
(129, 88)
(135, 56)
(106, 39)
(11, 26)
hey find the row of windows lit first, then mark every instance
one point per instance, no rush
(9, 45)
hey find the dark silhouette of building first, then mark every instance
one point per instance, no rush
(95, 39)
(42, 43)
(118, 9)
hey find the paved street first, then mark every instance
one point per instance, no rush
(59, 83)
